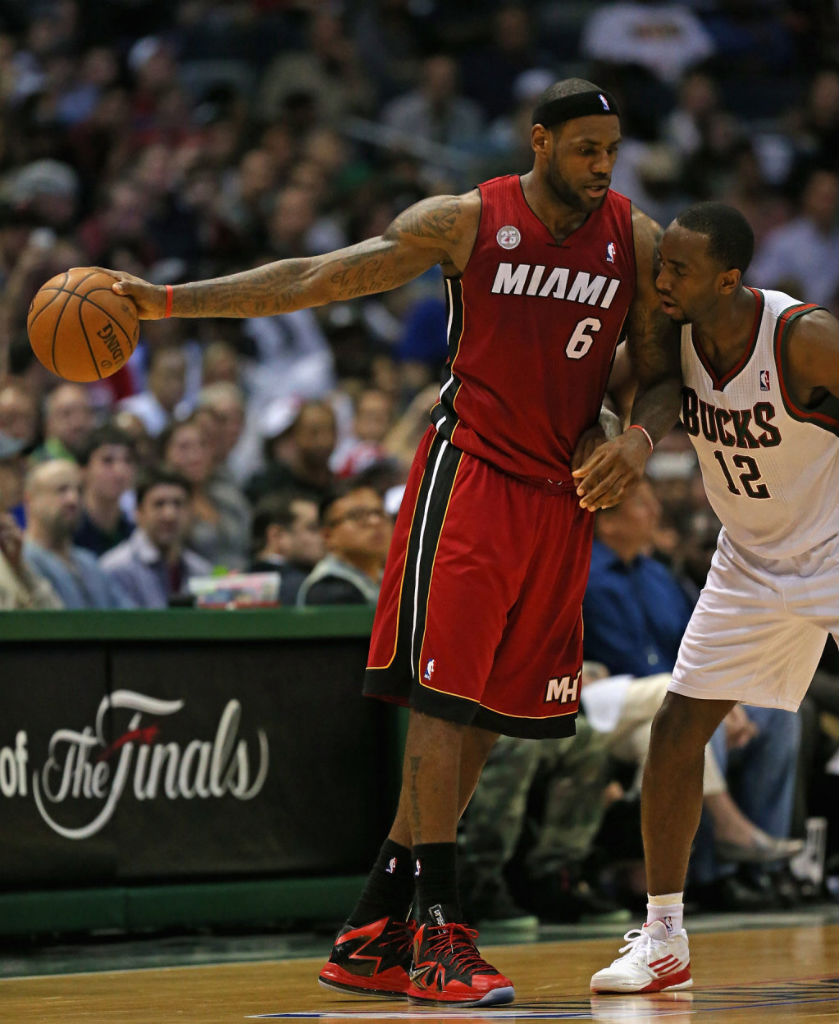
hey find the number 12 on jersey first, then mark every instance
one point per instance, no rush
(749, 476)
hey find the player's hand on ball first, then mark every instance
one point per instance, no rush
(614, 468)
(150, 299)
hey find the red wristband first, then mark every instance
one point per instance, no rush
(167, 312)
(644, 431)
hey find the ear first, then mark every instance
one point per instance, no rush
(540, 139)
(729, 281)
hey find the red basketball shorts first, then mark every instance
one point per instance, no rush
(479, 619)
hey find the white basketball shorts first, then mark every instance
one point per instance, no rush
(759, 628)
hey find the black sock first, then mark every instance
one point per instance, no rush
(436, 883)
(389, 889)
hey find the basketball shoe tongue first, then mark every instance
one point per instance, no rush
(657, 931)
(437, 914)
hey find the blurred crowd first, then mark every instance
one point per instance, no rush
(177, 139)
(195, 138)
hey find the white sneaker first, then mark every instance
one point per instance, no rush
(652, 962)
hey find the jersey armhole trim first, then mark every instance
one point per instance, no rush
(826, 415)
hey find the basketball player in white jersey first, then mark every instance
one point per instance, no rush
(760, 372)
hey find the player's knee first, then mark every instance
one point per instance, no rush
(682, 726)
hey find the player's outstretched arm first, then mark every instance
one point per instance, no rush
(436, 230)
(812, 358)
(653, 348)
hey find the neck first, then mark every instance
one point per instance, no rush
(170, 555)
(318, 475)
(728, 324)
(626, 550)
(39, 535)
(371, 567)
(103, 511)
(557, 216)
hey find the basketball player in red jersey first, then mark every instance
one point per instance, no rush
(478, 627)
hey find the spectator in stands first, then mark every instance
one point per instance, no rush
(108, 467)
(20, 586)
(220, 361)
(249, 195)
(161, 403)
(119, 219)
(326, 72)
(372, 419)
(18, 412)
(225, 402)
(634, 609)
(68, 421)
(287, 540)
(356, 534)
(52, 496)
(293, 224)
(664, 38)
(304, 464)
(815, 124)
(12, 472)
(435, 111)
(512, 50)
(153, 565)
(220, 528)
(802, 257)
(144, 445)
(635, 612)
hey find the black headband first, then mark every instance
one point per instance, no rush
(579, 104)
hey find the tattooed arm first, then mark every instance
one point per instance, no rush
(439, 230)
(653, 348)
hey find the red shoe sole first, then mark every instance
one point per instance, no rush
(387, 984)
(492, 997)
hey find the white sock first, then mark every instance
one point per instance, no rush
(669, 908)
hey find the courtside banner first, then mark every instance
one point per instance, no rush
(133, 762)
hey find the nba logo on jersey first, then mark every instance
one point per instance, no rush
(611, 252)
(604, 101)
(764, 380)
(429, 669)
(391, 866)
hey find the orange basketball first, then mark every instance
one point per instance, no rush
(80, 329)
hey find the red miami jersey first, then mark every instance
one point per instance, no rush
(532, 330)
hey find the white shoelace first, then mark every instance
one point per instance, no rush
(638, 942)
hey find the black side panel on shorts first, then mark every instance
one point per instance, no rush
(395, 681)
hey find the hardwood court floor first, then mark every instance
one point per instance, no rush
(785, 974)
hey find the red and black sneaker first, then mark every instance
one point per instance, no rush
(372, 959)
(449, 969)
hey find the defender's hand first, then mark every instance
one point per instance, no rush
(612, 470)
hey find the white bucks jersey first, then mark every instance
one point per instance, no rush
(770, 467)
